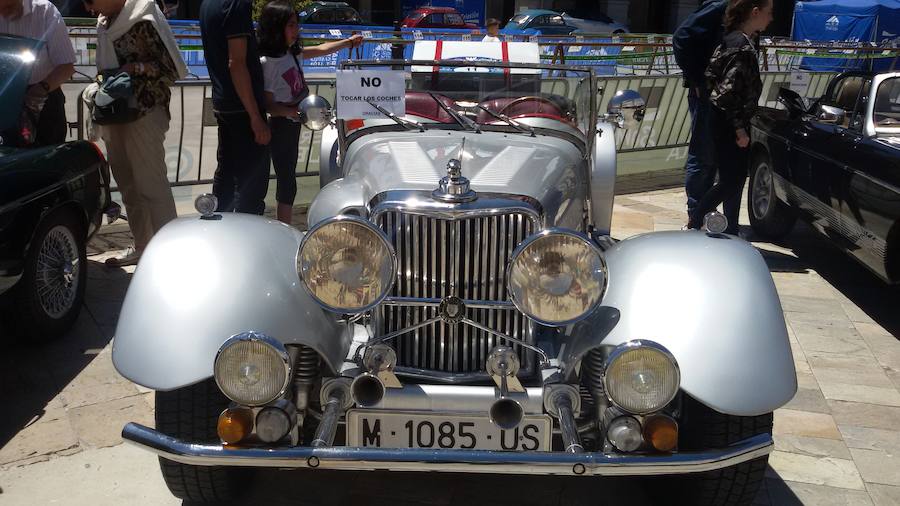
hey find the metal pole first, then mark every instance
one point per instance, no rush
(328, 426)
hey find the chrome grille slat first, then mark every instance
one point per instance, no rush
(466, 257)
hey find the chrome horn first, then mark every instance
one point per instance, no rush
(368, 388)
(626, 109)
(503, 365)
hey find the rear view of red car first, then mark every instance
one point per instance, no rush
(436, 17)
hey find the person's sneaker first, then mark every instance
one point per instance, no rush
(128, 257)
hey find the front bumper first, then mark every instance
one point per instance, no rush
(459, 461)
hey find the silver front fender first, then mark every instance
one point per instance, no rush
(200, 282)
(712, 302)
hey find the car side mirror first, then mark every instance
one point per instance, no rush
(626, 109)
(830, 114)
(315, 112)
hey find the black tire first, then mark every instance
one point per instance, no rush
(47, 300)
(190, 414)
(769, 216)
(702, 427)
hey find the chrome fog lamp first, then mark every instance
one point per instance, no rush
(625, 434)
(252, 369)
(316, 112)
(641, 377)
(556, 277)
(347, 264)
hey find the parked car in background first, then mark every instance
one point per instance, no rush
(436, 17)
(555, 23)
(329, 13)
(836, 164)
(52, 199)
(449, 308)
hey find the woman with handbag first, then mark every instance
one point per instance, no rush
(285, 87)
(136, 50)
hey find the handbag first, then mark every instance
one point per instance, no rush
(115, 102)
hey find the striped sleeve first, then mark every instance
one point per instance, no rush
(59, 45)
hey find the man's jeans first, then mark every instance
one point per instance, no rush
(242, 176)
(700, 169)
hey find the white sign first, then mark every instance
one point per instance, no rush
(356, 88)
(466, 37)
(417, 35)
(335, 32)
(367, 34)
(800, 82)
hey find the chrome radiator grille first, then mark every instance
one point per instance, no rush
(464, 257)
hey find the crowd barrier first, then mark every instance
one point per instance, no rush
(608, 55)
(659, 143)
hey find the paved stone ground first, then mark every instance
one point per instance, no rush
(837, 441)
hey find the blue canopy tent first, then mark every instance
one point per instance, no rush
(846, 20)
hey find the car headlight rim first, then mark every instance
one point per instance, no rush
(382, 238)
(275, 346)
(632, 345)
(542, 235)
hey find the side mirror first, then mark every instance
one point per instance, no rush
(830, 114)
(626, 109)
(315, 112)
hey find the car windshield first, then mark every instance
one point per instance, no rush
(16, 59)
(887, 105)
(522, 100)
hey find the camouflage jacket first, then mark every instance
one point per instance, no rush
(733, 79)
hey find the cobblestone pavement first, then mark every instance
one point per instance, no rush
(837, 441)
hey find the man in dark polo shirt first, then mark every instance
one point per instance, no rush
(242, 175)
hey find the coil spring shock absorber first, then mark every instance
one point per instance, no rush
(592, 377)
(306, 372)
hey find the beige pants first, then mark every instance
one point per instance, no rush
(137, 159)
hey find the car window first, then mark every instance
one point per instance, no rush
(435, 19)
(540, 21)
(453, 19)
(555, 20)
(519, 20)
(322, 17)
(345, 16)
(849, 94)
(415, 16)
(887, 104)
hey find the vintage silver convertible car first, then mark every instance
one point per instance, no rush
(458, 305)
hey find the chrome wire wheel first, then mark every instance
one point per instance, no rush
(57, 273)
(763, 190)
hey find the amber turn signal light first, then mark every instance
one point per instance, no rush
(234, 425)
(661, 432)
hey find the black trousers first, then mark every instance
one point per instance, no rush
(52, 126)
(285, 147)
(241, 180)
(732, 162)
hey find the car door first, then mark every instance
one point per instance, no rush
(819, 151)
(871, 210)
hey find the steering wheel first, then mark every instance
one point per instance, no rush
(522, 100)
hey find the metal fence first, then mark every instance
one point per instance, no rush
(191, 142)
(610, 55)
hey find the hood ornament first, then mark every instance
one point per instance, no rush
(454, 187)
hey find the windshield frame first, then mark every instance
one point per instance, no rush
(586, 142)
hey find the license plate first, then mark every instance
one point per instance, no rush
(406, 429)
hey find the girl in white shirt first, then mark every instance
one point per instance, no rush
(285, 87)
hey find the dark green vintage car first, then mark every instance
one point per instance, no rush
(52, 199)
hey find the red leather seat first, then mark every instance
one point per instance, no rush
(422, 105)
(525, 108)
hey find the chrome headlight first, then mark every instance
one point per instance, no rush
(556, 277)
(252, 369)
(641, 377)
(347, 264)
